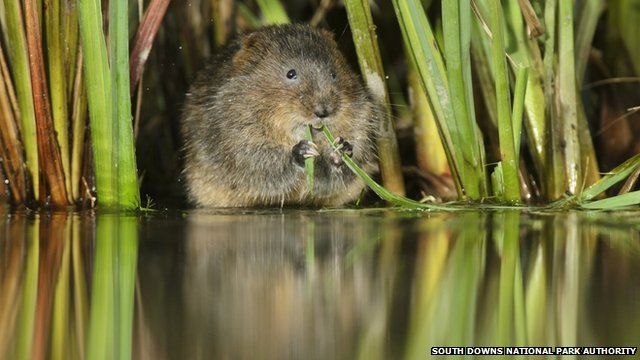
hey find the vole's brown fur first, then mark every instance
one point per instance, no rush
(246, 114)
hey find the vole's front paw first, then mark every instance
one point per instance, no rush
(303, 150)
(343, 147)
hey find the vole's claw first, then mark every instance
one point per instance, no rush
(303, 150)
(342, 147)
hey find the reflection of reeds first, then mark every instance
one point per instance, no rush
(12, 240)
(44, 300)
(111, 313)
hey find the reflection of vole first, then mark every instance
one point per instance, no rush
(246, 114)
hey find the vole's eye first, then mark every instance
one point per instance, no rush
(333, 75)
(292, 74)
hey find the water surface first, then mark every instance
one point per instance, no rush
(297, 284)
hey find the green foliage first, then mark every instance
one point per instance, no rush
(109, 103)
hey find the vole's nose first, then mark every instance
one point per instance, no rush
(321, 112)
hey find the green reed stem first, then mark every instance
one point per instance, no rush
(58, 82)
(79, 122)
(124, 146)
(273, 12)
(587, 22)
(377, 188)
(366, 43)
(616, 175)
(522, 75)
(430, 154)
(566, 97)
(17, 53)
(505, 123)
(421, 45)
(457, 41)
(309, 163)
(556, 176)
(99, 98)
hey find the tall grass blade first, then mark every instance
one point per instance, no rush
(566, 97)
(587, 22)
(379, 190)
(309, 163)
(503, 96)
(17, 53)
(143, 40)
(615, 202)
(457, 40)
(248, 16)
(57, 82)
(70, 42)
(273, 12)
(365, 40)
(556, 176)
(99, 98)
(522, 75)
(430, 154)
(10, 145)
(48, 149)
(525, 53)
(616, 175)
(124, 147)
(78, 123)
(223, 20)
(533, 24)
(421, 44)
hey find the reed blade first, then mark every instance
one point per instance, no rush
(124, 151)
(587, 21)
(58, 82)
(615, 202)
(143, 40)
(503, 96)
(10, 146)
(99, 98)
(48, 149)
(383, 193)
(457, 40)
(309, 163)
(430, 153)
(616, 175)
(366, 43)
(223, 12)
(273, 12)
(18, 57)
(422, 46)
(79, 127)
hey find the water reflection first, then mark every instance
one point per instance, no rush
(298, 284)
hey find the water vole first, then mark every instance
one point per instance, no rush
(246, 114)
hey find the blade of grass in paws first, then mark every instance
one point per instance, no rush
(377, 188)
(309, 162)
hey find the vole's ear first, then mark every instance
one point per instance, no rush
(248, 45)
(249, 40)
(327, 34)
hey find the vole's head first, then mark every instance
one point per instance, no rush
(299, 75)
